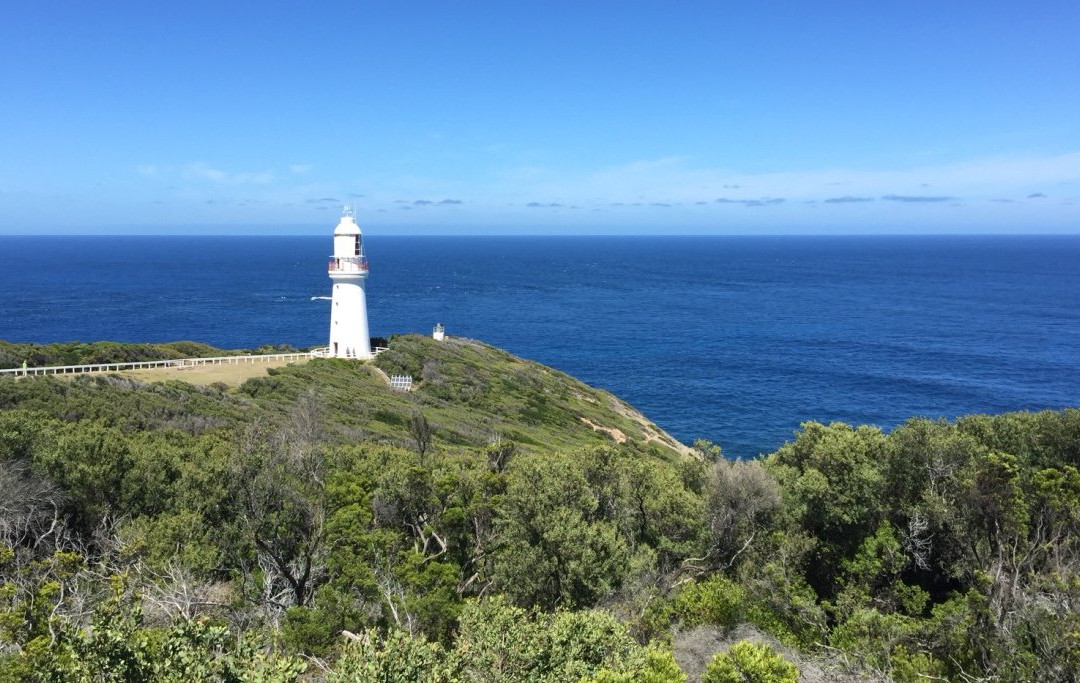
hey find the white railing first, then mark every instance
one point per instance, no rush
(348, 264)
(321, 352)
(324, 352)
(171, 363)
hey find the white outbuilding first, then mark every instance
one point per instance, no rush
(348, 310)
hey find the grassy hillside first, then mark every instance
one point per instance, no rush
(472, 394)
(475, 391)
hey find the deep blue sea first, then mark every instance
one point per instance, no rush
(734, 339)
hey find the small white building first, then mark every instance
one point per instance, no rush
(348, 270)
(439, 332)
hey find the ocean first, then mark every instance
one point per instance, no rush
(733, 339)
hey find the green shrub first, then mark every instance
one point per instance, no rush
(748, 662)
(395, 658)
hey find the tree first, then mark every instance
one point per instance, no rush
(550, 551)
(422, 433)
(741, 499)
(91, 462)
(279, 490)
(832, 483)
(707, 450)
(31, 517)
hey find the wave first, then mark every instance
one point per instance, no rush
(322, 298)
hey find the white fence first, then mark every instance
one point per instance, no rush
(172, 363)
(401, 382)
(324, 351)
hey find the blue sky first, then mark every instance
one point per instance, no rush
(561, 117)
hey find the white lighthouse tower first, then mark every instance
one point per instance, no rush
(348, 311)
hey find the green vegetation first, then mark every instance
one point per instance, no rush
(504, 522)
(747, 662)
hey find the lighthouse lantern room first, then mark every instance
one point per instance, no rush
(348, 310)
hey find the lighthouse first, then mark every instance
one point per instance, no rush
(348, 311)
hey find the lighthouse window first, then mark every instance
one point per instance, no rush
(357, 246)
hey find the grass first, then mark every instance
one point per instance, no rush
(472, 389)
(204, 375)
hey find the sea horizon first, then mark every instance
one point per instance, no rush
(384, 232)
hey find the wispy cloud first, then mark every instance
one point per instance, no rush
(202, 171)
(848, 200)
(300, 169)
(669, 189)
(675, 180)
(430, 202)
(765, 201)
(916, 199)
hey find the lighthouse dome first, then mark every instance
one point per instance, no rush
(347, 226)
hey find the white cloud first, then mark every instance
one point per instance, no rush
(676, 180)
(668, 191)
(202, 171)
